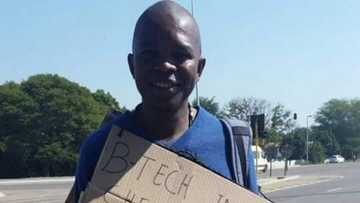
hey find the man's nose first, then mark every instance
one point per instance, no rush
(166, 67)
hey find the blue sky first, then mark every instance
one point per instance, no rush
(298, 53)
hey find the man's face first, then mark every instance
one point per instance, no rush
(166, 64)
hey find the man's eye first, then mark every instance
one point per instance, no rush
(148, 55)
(181, 56)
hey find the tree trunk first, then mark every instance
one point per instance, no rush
(286, 167)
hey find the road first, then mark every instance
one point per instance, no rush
(39, 190)
(344, 189)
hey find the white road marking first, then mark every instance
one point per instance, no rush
(306, 184)
(32, 181)
(264, 182)
(2, 194)
(334, 190)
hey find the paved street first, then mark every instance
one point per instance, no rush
(344, 187)
(331, 183)
(39, 190)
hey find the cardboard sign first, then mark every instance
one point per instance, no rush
(132, 169)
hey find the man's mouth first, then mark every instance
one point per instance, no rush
(165, 84)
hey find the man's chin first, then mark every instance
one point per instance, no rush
(166, 105)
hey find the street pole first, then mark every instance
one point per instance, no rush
(196, 84)
(307, 138)
(257, 145)
(192, 7)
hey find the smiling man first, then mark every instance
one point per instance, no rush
(166, 63)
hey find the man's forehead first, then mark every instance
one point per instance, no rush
(168, 10)
(157, 22)
(167, 17)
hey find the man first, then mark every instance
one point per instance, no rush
(165, 63)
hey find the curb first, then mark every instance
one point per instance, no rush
(269, 181)
(36, 180)
(298, 181)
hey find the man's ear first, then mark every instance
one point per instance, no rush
(130, 59)
(201, 66)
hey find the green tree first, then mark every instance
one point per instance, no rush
(67, 113)
(278, 120)
(209, 104)
(242, 108)
(273, 136)
(108, 101)
(354, 139)
(281, 124)
(43, 121)
(327, 140)
(286, 149)
(281, 119)
(341, 118)
(297, 140)
(271, 151)
(316, 153)
(16, 115)
(277, 117)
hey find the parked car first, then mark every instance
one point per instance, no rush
(327, 160)
(336, 159)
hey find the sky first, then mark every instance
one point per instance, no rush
(297, 53)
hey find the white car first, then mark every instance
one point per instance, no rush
(336, 159)
(261, 159)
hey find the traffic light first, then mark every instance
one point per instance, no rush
(261, 125)
(253, 120)
(258, 120)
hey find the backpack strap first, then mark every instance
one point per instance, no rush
(240, 141)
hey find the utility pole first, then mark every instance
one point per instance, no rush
(256, 146)
(307, 138)
(257, 122)
(196, 84)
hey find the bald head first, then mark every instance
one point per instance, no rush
(166, 62)
(167, 16)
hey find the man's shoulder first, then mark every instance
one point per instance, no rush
(96, 140)
(205, 117)
(92, 147)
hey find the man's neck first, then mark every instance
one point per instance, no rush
(163, 124)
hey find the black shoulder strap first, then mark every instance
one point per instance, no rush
(240, 140)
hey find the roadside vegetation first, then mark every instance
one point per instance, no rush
(44, 120)
(336, 129)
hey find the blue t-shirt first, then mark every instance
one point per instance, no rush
(204, 142)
